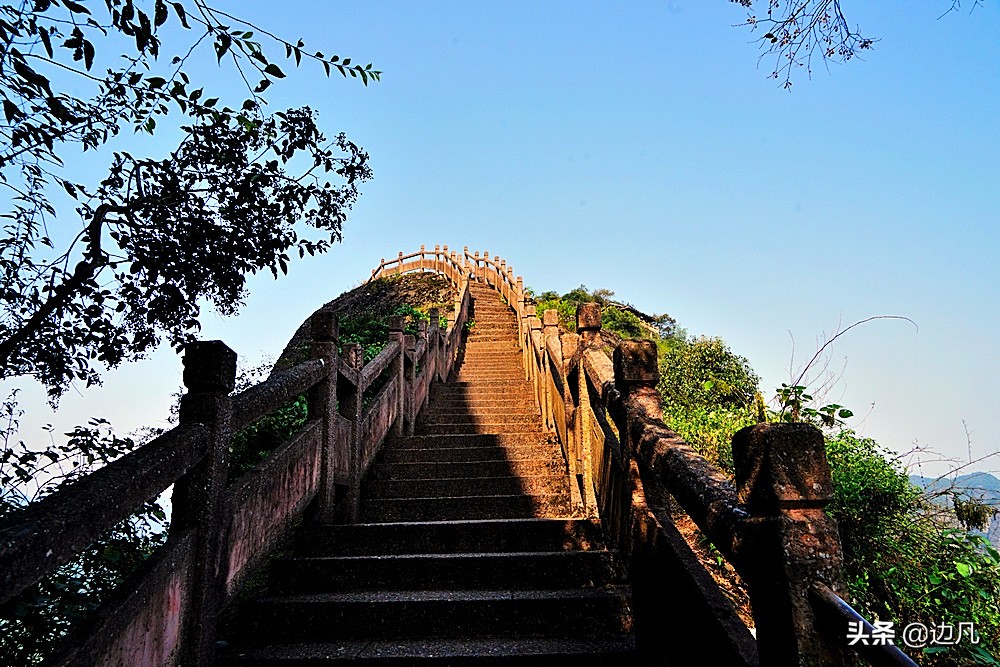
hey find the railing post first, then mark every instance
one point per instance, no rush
(636, 375)
(570, 342)
(458, 294)
(322, 403)
(534, 327)
(409, 386)
(790, 543)
(588, 328)
(209, 375)
(349, 399)
(588, 324)
(434, 346)
(550, 329)
(397, 370)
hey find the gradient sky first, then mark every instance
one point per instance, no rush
(644, 150)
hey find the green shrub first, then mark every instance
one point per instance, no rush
(905, 560)
(624, 323)
(704, 373)
(709, 430)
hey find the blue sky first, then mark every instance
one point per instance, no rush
(644, 150)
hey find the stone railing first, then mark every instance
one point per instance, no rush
(166, 613)
(770, 526)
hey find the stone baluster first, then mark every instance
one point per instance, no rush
(409, 386)
(210, 376)
(397, 369)
(789, 543)
(322, 404)
(349, 401)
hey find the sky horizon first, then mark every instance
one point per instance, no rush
(646, 152)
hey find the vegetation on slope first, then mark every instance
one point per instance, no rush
(906, 560)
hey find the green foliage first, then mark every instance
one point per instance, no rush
(565, 308)
(705, 373)
(156, 236)
(794, 406)
(709, 429)
(371, 329)
(255, 443)
(623, 322)
(905, 560)
(33, 622)
(615, 318)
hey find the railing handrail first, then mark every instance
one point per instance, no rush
(41, 536)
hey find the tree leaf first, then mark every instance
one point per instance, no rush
(10, 110)
(75, 7)
(274, 71)
(179, 9)
(160, 13)
(222, 44)
(43, 34)
(88, 54)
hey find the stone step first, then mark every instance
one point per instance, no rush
(465, 652)
(488, 363)
(479, 376)
(465, 486)
(538, 465)
(428, 572)
(438, 614)
(458, 386)
(481, 417)
(464, 402)
(515, 506)
(457, 454)
(465, 387)
(506, 370)
(495, 535)
(462, 441)
(513, 374)
(476, 377)
(477, 429)
(519, 402)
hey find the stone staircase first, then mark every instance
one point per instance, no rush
(467, 552)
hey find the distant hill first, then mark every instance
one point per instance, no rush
(981, 485)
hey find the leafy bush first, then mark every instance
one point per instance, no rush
(33, 622)
(905, 560)
(709, 430)
(614, 317)
(705, 373)
(624, 323)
